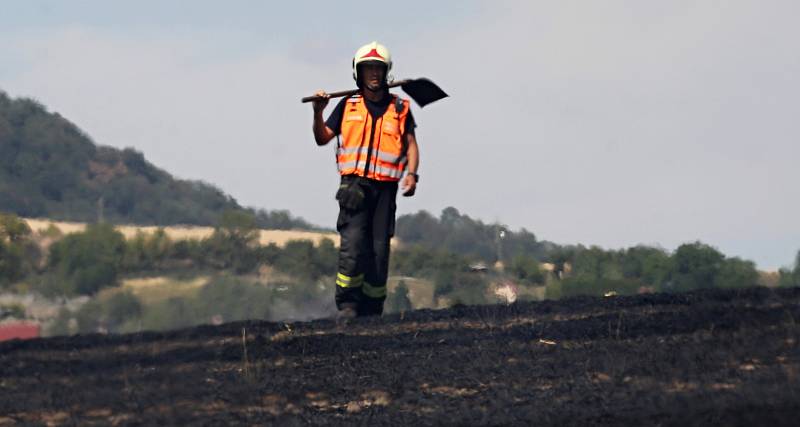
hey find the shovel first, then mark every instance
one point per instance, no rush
(422, 91)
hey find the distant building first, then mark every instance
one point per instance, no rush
(478, 267)
(19, 330)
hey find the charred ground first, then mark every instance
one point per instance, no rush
(702, 358)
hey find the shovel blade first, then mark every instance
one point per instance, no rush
(423, 91)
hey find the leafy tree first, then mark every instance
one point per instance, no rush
(595, 263)
(553, 289)
(303, 260)
(233, 299)
(61, 325)
(172, 313)
(656, 266)
(419, 227)
(280, 220)
(650, 264)
(187, 250)
(120, 308)
(13, 229)
(419, 261)
(89, 261)
(239, 224)
(526, 269)
(445, 281)
(796, 270)
(560, 257)
(13, 311)
(232, 245)
(787, 278)
(146, 252)
(524, 242)
(463, 288)
(791, 277)
(90, 316)
(103, 315)
(18, 253)
(460, 234)
(736, 273)
(11, 263)
(696, 266)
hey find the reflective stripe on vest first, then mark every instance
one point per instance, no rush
(387, 156)
(382, 155)
(388, 172)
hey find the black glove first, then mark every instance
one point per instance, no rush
(350, 196)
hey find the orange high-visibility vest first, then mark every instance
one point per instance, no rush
(379, 155)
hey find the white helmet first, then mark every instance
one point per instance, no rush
(372, 52)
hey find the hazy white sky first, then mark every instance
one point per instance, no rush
(610, 123)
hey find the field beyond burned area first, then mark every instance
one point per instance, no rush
(723, 357)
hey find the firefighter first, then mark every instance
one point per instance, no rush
(376, 150)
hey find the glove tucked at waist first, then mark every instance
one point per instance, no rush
(350, 195)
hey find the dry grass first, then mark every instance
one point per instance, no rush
(162, 288)
(151, 290)
(278, 237)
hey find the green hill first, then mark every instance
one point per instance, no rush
(50, 168)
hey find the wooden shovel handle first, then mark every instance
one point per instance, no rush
(348, 92)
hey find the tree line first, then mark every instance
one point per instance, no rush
(445, 248)
(455, 232)
(100, 257)
(84, 263)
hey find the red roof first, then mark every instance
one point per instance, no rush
(21, 330)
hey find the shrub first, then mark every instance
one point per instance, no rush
(736, 273)
(233, 299)
(18, 254)
(463, 288)
(11, 263)
(147, 251)
(398, 300)
(526, 269)
(172, 313)
(14, 311)
(88, 261)
(121, 308)
(106, 315)
(696, 266)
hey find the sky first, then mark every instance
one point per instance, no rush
(611, 123)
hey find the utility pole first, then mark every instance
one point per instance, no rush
(500, 235)
(100, 213)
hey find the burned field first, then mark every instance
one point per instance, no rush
(702, 358)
